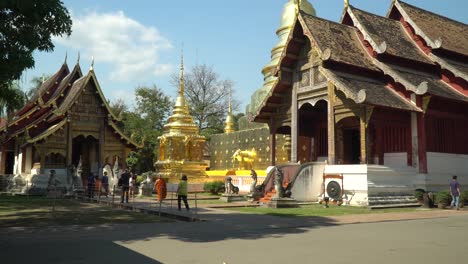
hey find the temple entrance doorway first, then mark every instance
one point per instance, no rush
(10, 162)
(349, 142)
(312, 144)
(88, 149)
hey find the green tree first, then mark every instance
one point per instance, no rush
(12, 98)
(26, 26)
(145, 124)
(207, 95)
(36, 84)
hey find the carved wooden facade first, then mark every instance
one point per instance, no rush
(68, 120)
(355, 91)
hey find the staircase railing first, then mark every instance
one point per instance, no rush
(289, 170)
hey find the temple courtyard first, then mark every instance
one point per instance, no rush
(227, 236)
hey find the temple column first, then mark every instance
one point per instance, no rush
(421, 123)
(363, 135)
(3, 159)
(294, 125)
(414, 134)
(42, 161)
(273, 148)
(331, 124)
(69, 145)
(101, 148)
(364, 120)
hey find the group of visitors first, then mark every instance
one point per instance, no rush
(96, 185)
(127, 183)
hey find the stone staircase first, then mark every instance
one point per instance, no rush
(392, 201)
(267, 198)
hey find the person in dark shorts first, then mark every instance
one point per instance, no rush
(455, 192)
(124, 182)
(182, 192)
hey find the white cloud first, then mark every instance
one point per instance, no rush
(130, 48)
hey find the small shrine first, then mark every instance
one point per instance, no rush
(181, 145)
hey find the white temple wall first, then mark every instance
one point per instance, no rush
(354, 182)
(442, 166)
(308, 184)
(396, 160)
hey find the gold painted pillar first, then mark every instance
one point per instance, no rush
(363, 140)
(366, 112)
(331, 124)
(273, 148)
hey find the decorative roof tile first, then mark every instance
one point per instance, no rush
(337, 42)
(439, 31)
(388, 34)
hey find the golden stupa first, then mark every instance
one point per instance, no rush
(229, 128)
(288, 17)
(181, 145)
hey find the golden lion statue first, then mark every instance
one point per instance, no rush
(245, 158)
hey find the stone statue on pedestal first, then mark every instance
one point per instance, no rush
(254, 181)
(279, 183)
(230, 188)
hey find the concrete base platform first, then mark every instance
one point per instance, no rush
(231, 198)
(282, 203)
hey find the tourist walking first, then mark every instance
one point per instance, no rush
(132, 185)
(182, 192)
(91, 185)
(455, 192)
(124, 182)
(161, 188)
(104, 184)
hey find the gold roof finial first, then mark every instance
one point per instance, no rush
(92, 64)
(229, 128)
(346, 3)
(181, 80)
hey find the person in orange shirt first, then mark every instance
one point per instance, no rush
(161, 187)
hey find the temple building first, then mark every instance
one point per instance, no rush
(66, 124)
(389, 93)
(181, 146)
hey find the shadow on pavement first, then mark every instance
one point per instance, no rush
(70, 251)
(218, 226)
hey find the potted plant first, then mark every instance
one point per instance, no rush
(463, 198)
(443, 199)
(418, 193)
(214, 187)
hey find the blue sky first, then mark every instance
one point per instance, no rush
(139, 42)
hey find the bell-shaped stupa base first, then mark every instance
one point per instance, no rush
(173, 170)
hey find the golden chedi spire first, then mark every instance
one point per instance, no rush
(181, 146)
(288, 17)
(229, 128)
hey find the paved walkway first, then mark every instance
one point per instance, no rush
(215, 212)
(435, 236)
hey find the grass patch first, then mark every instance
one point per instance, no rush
(37, 212)
(316, 210)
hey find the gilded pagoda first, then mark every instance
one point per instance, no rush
(181, 146)
(252, 135)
